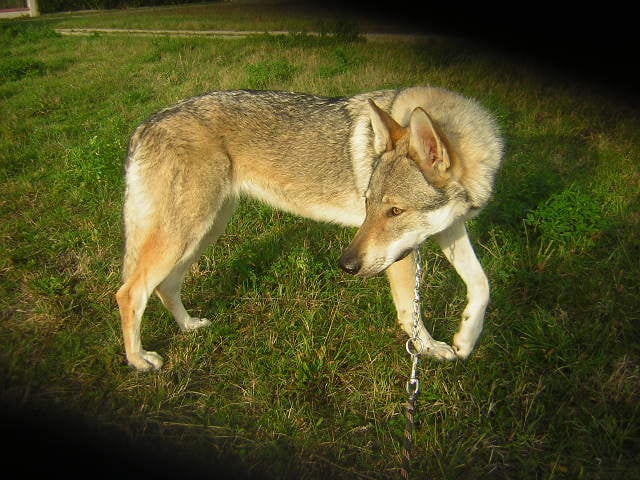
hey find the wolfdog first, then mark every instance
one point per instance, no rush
(402, 165)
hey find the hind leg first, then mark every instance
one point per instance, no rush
(169, 293)
(169, 289)
(161, 265)
(155, 262)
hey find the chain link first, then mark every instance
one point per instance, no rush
(414, 348)
(414, 344)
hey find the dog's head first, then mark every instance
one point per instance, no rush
(414, 192)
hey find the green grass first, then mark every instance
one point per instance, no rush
(302, 372)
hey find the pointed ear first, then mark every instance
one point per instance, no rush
(386, 130)
(426, 147)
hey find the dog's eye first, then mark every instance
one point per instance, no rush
(395, 211)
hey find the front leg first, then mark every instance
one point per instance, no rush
(455, 243)
(402, 279)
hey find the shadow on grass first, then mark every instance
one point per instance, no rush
(75, 446)
(262, 262)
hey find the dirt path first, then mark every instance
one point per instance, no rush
(376, 37)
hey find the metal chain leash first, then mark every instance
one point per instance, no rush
(414, 347)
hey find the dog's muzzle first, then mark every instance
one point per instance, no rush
(350, 263)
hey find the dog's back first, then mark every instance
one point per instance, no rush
(288, 149)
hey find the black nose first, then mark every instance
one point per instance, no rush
(350, 264)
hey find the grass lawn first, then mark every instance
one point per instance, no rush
(302, 372)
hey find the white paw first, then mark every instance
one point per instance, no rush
(144, 361)
(439, 350)
(194, 323)
(465, 339)
(463, 345)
